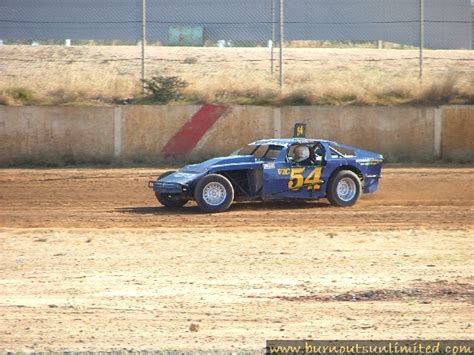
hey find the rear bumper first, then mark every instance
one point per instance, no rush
(371, 183)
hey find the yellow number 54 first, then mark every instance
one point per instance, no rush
(297, 180)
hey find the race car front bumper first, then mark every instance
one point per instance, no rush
(167, 187)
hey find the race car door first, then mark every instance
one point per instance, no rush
(285, 178)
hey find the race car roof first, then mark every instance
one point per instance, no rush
(287, 141)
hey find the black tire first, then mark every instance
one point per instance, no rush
(168, 200)
(221, 184)
(353, 184)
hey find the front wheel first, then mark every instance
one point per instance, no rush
(344, 189)
(168, 200)
(214, 193)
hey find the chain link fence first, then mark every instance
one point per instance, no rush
(241, 51)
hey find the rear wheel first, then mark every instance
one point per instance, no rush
(214, 193)
(169, 200)
(344, 189)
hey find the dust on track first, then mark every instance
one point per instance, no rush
(90, 262)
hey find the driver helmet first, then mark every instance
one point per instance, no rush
(300, 153)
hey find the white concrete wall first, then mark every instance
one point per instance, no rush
(58, 135)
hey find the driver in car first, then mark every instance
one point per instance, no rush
(302, 155)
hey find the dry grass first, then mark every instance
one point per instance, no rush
(333, 88)
(344, 44)
(91, 75)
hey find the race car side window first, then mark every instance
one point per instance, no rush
(264, 151)
(273, 152)
(246, 150)
(340, 152)
(319, 153)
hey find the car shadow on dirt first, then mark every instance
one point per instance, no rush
(239, 206)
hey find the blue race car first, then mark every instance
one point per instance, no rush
(274, 169)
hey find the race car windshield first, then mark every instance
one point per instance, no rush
(264, 152)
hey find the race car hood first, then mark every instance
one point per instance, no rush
(224, 163)
(192, 172)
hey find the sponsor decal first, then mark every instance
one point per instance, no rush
(369, 161)
(184, 175)
(283, 172)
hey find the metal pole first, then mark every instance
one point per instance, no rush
(272, 69)
(143, 43)
(282, 38)
(422, 37)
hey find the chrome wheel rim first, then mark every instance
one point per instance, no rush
(346, 189)
(214, 193)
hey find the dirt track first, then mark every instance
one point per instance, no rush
(89, 262)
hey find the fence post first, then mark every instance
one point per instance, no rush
(282, 38)
(422, 37)
(118, 140)
(272, 69)
(143, 43)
